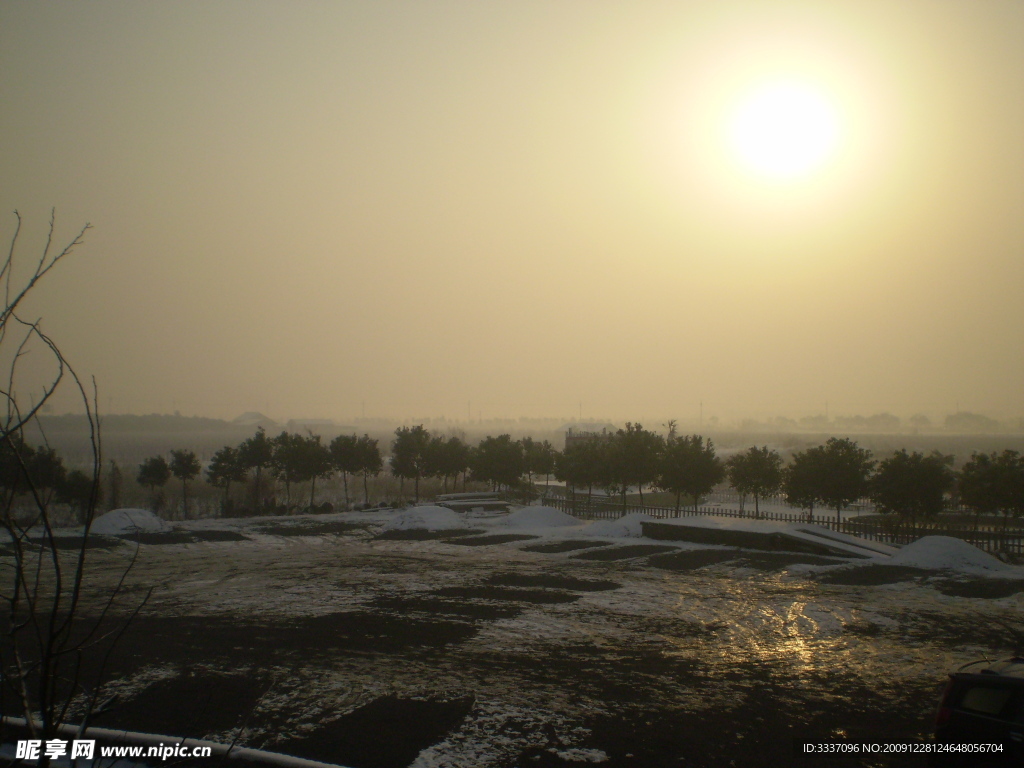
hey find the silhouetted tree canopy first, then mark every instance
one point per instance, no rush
(912, 485)
(758, 472)
(690, 467)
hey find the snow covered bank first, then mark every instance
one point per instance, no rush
(427, 517)
(118, 522)
(628, 527)
(540, 517)
(946, 553)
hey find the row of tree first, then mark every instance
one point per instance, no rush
(40, 471)
(289, 458)
(833, 475)
(498, 461)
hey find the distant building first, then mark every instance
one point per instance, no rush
(576, 433)
(255, 419)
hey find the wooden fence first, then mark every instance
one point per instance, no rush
(894, 532)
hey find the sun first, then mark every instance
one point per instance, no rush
(783, 130)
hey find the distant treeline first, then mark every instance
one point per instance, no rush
(832, 475)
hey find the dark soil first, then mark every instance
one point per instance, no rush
(182, 537)
(419, 534)
(501, 538)
(195, 704)
(773, 561)
(691, 560)
(95, 541)
(990, 589)
(196, 640)
(551, 581)
(624, 553)
(660, 688)
(873, 575)
(536, 596)
(386, 733)
(437, 606)
(760, 735)
(563, 546)
(310, 529)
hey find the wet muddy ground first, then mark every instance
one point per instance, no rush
(331, 641)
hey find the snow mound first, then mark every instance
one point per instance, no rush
(539, 517)
(626, 527)
(428, 517)
(946, 553)
(121, 521)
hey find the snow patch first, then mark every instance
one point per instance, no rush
(540, 517)
(627, 527)
(122, 521)
(577, 755)
(428, 517)
(947, 553)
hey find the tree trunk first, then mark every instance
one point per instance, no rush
(344, 480)
(696, 502)
(810, 514)
(312, 492)
(417, 487)
(366, 490)
(641, 489)
(757, 506)
(184, 500)
(678, 497)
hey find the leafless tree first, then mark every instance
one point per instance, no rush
(47, 642)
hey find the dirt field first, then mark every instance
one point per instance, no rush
(324, 639)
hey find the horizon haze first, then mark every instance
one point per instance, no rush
(367, 209)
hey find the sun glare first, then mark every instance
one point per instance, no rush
(783, 130)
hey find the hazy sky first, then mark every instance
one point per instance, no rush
(312, 208)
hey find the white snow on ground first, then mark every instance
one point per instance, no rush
(427, 517)
(728, 523)
(845, 538)
(121, 521)
(539, 517)
(627, 527)
(947, 553)
(577, 755)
